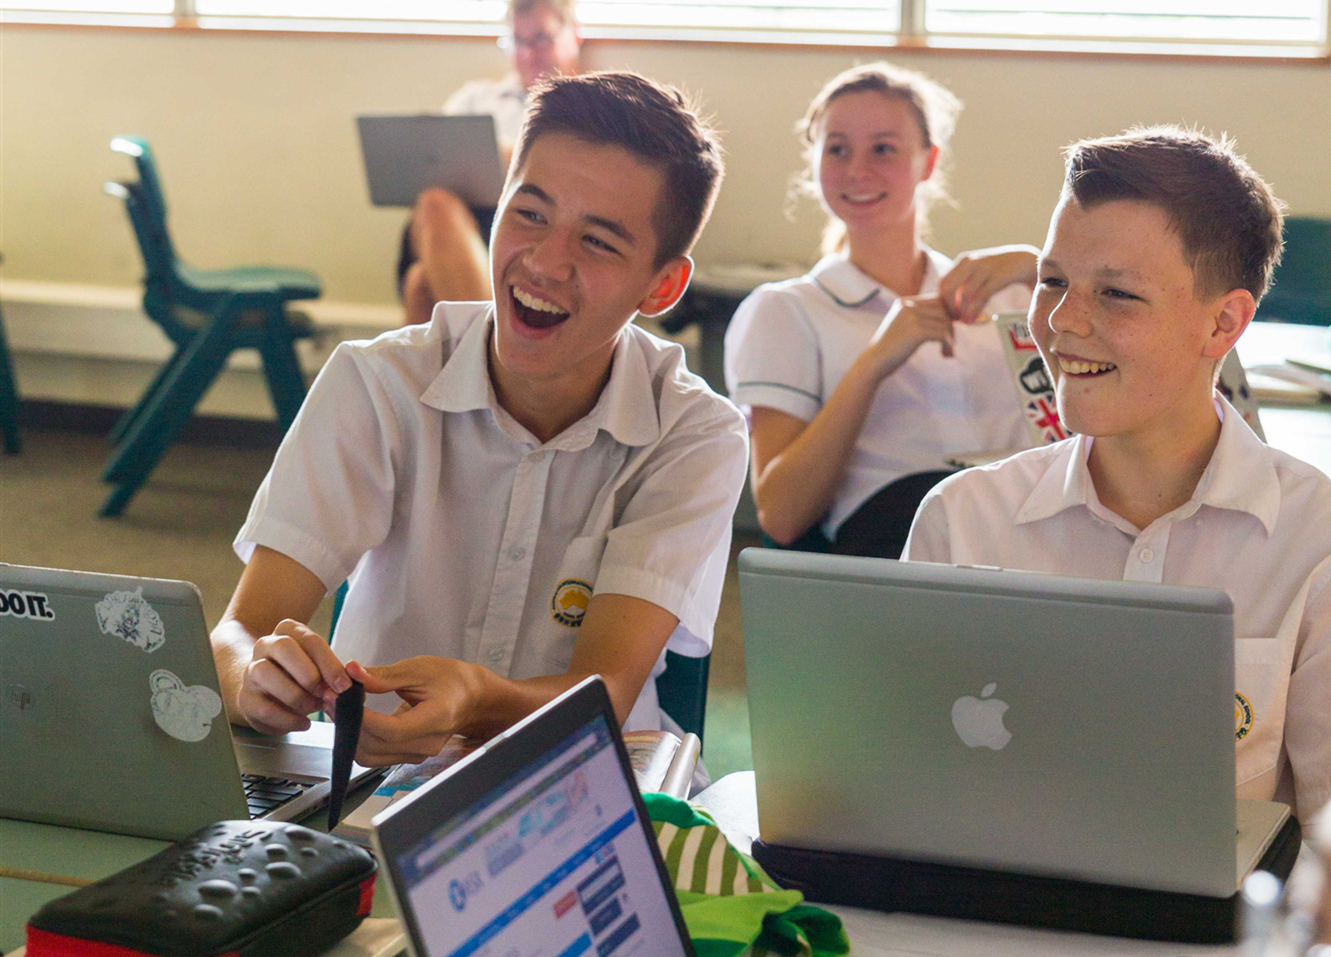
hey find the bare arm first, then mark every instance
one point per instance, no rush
(620, 639)
(979, 275)
(797, 466)
(273, 669)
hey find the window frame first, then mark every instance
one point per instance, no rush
(911, 36)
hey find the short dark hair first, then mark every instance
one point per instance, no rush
(1228, 220)
(654, 123)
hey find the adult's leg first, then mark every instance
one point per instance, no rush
(879, 528)
(453, 258)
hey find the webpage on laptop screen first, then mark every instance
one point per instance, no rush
(553, 863)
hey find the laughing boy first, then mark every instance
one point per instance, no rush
(527, 490)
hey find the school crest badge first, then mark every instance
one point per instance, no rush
(1242, 717)
(570, 601)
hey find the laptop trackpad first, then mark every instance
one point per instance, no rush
(304, 754)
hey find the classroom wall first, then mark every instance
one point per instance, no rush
(256, 141)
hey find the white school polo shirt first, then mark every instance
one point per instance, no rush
(465, 537)
(505, 100)
(790, 343)
(1257, 526)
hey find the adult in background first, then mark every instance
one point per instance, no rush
(444, 255)
(862, 377)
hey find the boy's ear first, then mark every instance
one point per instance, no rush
(669, 285)
(1232, 313)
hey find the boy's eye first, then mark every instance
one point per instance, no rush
(1119, 294)
(1053, 282)
(600, 244)
(530, 215)
(835, 149)
(885, 149)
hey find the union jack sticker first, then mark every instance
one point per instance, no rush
(1043, 413)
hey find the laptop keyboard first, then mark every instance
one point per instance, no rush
(264, 794)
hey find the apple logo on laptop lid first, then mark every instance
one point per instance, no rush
(979, 721)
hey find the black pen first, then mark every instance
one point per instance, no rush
(346, 734)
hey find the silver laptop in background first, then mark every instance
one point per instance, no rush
(407, 153)
(996, 719)
(111, 717)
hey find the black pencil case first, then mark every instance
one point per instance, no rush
(236, 888)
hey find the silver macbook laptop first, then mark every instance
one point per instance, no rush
(111, 717)
(997, 719)
(538, 843)
(405, 154)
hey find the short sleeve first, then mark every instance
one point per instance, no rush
(772, 355)
(1307, 718)
(671, 542)
(464, 100)
(929, 539)
(328, 497)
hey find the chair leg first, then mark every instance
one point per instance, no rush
(132, 415)
(281, 369)
(169, 410)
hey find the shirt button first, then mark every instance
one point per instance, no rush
(497, 655)
(517, 554)
(1146, 555)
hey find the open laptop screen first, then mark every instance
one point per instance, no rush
(554, 860)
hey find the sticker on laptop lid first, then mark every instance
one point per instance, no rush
(185, 713)
(127, 615)
(26, 604)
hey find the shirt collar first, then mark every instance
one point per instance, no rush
(848, 286)
(1240, 477)
(463, 384)
(626, 408)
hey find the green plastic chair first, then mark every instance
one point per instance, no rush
(681, 689)
(207, 314)
(1302, 289)
(9, 404)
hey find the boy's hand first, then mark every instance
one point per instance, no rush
(437, 696)
(291, 672)
(977, 276)
(909, 324)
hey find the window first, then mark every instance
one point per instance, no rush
(1271, 21)
(1288, 27)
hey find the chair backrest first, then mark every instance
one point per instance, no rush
(154, 198)
(1301, 291)
(681, 690)
(161, 277)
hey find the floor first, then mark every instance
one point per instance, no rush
(181, 524)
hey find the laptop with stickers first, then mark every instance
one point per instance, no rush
(110, 716)
(537, 843)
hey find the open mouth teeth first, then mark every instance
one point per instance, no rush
(1079, 367)
(537, 312)
(872, 198)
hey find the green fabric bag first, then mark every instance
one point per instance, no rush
(730, 905)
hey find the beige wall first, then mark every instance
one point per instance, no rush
(257, 144)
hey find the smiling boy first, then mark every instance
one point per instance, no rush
(1160, 248)
(525, 491)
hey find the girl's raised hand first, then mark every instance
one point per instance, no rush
(909, 324)
(978, 275)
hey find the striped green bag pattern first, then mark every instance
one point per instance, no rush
(731, 907)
